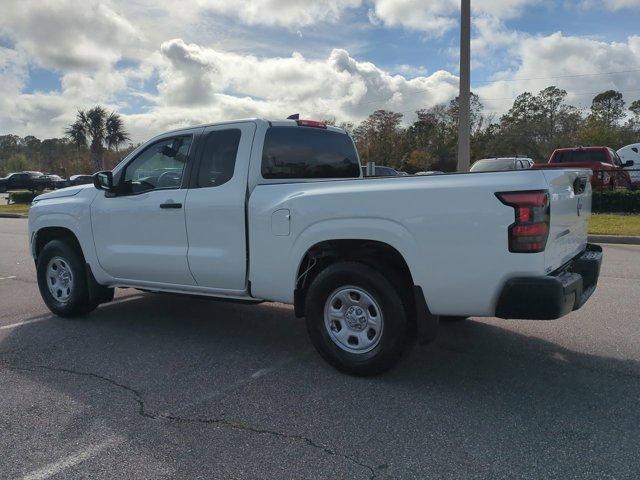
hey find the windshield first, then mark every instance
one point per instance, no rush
(492, 165)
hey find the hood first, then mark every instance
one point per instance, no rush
(63, 192)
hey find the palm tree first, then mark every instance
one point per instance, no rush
(97, 128)
(116, 134)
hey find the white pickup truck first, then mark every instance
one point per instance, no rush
(258, 210)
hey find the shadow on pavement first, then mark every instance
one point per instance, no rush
(481, 402)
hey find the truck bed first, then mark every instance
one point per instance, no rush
(451, 230)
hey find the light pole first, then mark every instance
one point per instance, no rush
(464, 99)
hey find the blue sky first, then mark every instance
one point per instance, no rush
(209, 60)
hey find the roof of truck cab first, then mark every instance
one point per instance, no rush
(573, 149)
(272, 122)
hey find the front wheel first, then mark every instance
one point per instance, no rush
(356, 319)
(62, 280)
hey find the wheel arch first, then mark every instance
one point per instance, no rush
(44, 235)
(374, 253)
(379, 255)
(355, 249)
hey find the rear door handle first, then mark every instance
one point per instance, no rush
(170, 204)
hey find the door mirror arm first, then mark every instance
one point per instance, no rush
(628, 163)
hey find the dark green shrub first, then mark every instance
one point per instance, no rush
(616, 201)
(22, 197)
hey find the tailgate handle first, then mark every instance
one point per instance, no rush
(579, 185)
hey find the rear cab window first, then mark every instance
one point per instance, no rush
(299, 152)
(581, 156)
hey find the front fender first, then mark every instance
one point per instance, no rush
(57, 220)
(71, 213)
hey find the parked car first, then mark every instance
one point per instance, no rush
(74, 180)
(501, 164)
(80, 179)
(47, 181)
(258, 210)
(631, 153)
(607, 167)
(430, 172)
(20, 181)
(381, 171)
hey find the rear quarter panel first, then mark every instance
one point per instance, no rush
(451, 230)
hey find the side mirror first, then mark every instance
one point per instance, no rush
(628, 163)
(168, 151)
(103, 181)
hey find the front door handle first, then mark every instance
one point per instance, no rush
(170, 204)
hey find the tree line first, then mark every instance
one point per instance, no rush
(534, 126)
(91, 143)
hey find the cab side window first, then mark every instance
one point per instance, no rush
(218, 159)
(160, 166)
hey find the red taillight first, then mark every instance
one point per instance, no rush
(311, 123)
(530, 231)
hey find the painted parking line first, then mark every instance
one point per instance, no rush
(26, 322)
(72, 460)
(8, 278)
(49, 317)
(222, 392)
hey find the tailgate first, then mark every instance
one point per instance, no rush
(570, 206)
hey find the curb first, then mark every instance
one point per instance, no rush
(615, 239)
(13, 215)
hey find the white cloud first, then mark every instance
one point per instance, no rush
(288, 13)
(614, 5)
(67, 34)
(46, 114)
(438, 16)
(198, 84)
(339, 86)
(186, 83)
(571, 60)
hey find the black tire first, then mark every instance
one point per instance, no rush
(450, 319)
(395, 332)
(78, 302)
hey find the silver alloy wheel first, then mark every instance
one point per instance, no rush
(353, 319)
(59, 279)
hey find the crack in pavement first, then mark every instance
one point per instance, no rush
(143, 412)
(292, 436)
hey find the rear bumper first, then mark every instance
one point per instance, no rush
(555, 295)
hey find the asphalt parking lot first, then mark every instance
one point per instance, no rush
(154, 386)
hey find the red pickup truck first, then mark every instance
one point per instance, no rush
(608, 168)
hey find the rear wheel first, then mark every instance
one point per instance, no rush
(356, 319)
(62, 280)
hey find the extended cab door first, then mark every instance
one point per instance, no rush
(215, 207)
(140, 232)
